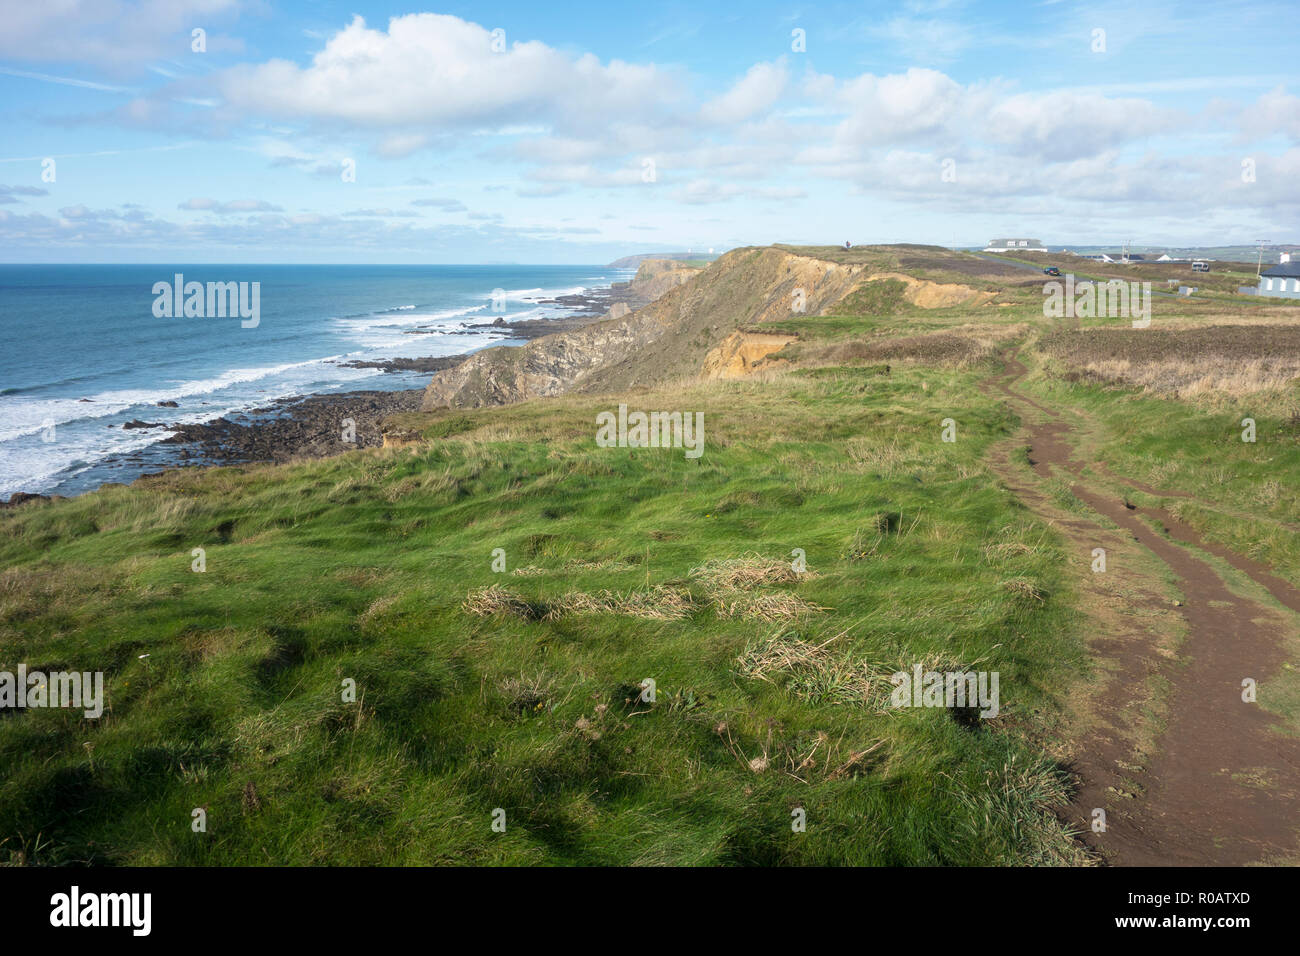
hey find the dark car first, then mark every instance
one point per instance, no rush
(1051, 271)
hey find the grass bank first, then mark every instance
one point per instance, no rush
(521, 689)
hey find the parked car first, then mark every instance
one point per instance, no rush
(1051, 271)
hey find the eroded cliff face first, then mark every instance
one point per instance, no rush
(664, 341)
(743, 353)
(937, 295)
(657, 276)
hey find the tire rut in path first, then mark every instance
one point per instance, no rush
(1222, 785)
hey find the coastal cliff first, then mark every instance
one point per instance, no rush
(663, 341)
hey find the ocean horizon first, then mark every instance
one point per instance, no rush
(87, 350)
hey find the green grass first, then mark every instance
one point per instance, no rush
(1239, 491)
(357, 567)
(1241, 488)
(844, 327)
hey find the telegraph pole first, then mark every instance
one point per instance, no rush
(1259, 265)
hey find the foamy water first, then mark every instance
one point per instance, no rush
(85, 353)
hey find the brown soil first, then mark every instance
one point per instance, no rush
(963, 264)
(936, 295)
(1220, 783)
(1224, 343)
(741, 353)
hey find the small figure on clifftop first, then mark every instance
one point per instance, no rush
(848, 245)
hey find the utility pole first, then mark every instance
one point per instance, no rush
(1259, 265)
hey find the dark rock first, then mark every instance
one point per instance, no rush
(19, 497)
(430, 364)
(298, 427)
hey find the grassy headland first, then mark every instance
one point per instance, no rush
(521, 689)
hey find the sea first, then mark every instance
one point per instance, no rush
(83, 349)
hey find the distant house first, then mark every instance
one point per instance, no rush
(1280, 281)
(1015, 245)
(1135, 258)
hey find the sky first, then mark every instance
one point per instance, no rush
(319, 131)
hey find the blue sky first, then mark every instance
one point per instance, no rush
(592, 130)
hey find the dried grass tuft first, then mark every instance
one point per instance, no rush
(660, 603)
(1024, 588)
(485, 602)
(747, 572)
(778, 606)
(812, 672)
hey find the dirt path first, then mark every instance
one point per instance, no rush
(1219, 785)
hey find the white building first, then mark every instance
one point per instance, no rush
(1280, 281)
(1015, 245)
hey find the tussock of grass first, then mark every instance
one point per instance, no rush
(1001, 550)
(1008, 544)
(763, 607)
(1022, 793)
(526, 695)
(812, 672)
(660, 603)
(573, 564)
(1026, 589)
(494, 599)
(747, 572)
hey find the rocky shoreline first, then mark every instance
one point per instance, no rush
(312, 426)
(316, 426)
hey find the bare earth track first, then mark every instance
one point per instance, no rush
(1221, 782)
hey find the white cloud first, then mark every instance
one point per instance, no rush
(120, 34)
(900, 106)
(446, 205)
(200, 204)
(1069, 125)
(755, 92)
(399, 145)
(1275, 112)
(701, 192)
(432, 70)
